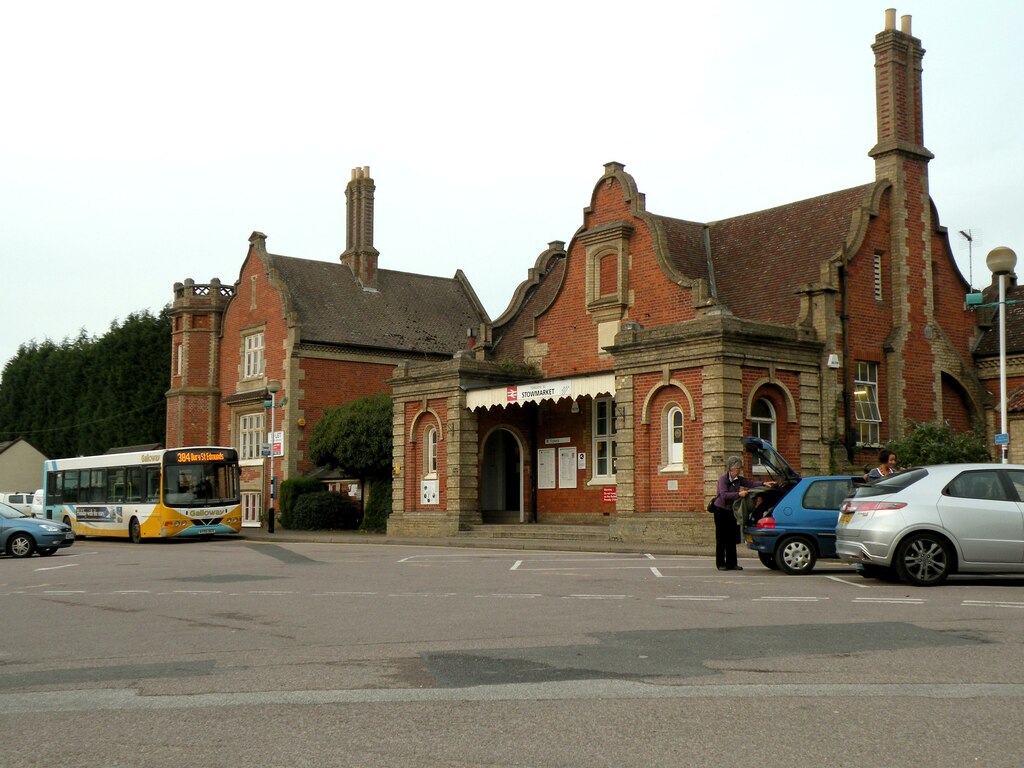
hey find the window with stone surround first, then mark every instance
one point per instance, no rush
(250, 435)
(763, 424)
(604, 439)
(865, 403)
(430, 453)
(252, 355)
(673, 432)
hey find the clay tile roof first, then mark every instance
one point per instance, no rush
(685, 241)
(761, 258)
(989, 343)
(407, 312)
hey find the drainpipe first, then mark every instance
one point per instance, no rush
(844, 318)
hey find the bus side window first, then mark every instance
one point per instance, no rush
(134, 484)
(152, 484)
(54, 488)
(97, 485)
(115, 485)
(70, 486)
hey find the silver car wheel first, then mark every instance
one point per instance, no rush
(924, 560)
(795, 555)
(21, 545)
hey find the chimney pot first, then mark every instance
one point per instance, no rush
(890, 18)
(905, 24)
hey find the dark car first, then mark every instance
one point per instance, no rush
(792, 525)
(21, 534)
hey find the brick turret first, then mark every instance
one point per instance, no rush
(194, 396)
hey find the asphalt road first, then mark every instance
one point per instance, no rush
(236, 653)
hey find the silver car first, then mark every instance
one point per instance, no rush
(926, 523)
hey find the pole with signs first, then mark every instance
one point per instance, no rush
(273, 387)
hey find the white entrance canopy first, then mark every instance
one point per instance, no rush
(511, 394)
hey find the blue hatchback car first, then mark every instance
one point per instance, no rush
(21, 534)
(794, 524)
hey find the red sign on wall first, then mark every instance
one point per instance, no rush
(609, 494)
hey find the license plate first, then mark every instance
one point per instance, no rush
(69, 535)
(845, 518)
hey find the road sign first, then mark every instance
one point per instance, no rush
(1002, 439)
(276, 440)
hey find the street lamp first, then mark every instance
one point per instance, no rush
(270, 402)
(1001, 262)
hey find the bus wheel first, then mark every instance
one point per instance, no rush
(133, 531)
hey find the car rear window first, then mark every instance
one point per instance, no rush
(827, 494)
(891, 484)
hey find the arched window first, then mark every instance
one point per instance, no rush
(674, 435)
(762, 421)
(430, 452)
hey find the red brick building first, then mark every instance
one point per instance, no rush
(634, 358)
(329, 332)
(629, 362)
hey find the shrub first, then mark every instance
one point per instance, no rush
(323, 509)
(378, 507)
(937, 443)
(291, 490)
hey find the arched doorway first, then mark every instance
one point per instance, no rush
(501, 479)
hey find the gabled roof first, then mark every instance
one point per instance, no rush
(760, 258)
(407, 313)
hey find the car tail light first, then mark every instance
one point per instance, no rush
(765, 522)
(875, 506)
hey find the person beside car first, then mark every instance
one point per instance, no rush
(731, 486)
(886, 466)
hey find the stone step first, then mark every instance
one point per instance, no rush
(538, 532)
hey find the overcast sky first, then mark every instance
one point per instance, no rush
(142, 143)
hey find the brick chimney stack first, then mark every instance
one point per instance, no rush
(902, 160)
(898, 99)
(360, 256)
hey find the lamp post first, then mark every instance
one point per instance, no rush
(1001, 262)
(270, 402)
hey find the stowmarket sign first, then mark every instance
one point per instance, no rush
(545, 390)
(594, 385)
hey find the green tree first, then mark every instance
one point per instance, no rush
(356, 438)
(87, 394)
(937, 443)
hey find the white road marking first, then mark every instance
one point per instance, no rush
(783, 599)
(423, 594)
(55, 567)
(326, 594)
(694, 597)
(893, 600)
(597, 597)
(993, 603)
(649, 556)
(656, 572)
(851, 583)
(197, 592)
(524, 595)
(516, 565)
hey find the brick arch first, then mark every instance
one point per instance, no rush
(768, 384)
(959, 409)
(417, 420)
(645, 412)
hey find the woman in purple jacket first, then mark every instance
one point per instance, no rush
(731, 486)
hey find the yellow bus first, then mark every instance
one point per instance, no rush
(165, 493)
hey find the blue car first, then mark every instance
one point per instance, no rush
(21, 535)
(792, 525)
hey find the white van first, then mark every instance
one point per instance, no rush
(21, 501)
(38, 509)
